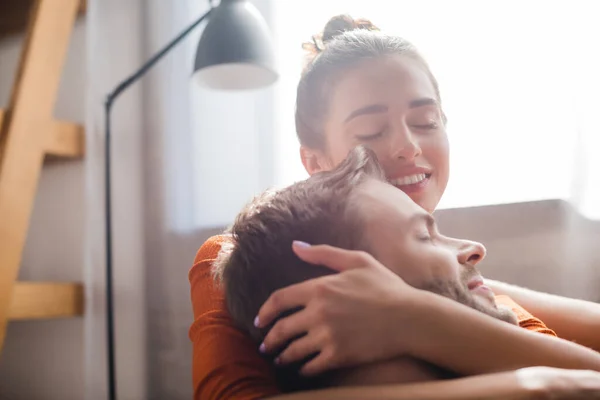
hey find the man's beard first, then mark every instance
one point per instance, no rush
(459, 292)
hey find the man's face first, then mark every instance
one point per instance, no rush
(404, 237)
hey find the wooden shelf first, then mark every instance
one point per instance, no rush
(66, 139)
(14, 16)
(45, 300)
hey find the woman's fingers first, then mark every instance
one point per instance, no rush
(329, 307)
(282, 300)
(321, 363)
(299, 349)
(332, 257)
(299, 294)
(286, 329)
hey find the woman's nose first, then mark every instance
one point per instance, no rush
(405, 145)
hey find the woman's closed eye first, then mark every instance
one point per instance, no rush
(426, 120)
(370, 137)
(429, 126)
(427, 123)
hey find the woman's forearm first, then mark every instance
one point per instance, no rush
(571, 319)
(486, 387)
(470, 343)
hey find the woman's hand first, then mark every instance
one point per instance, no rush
(554, 383)
(347, 317)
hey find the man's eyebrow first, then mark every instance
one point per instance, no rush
(423, 217)
(370, 109)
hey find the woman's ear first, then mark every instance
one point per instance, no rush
(313, 160)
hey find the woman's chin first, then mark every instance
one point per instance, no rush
(428, 200)
(425, 193)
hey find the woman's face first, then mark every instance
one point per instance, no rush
(390, 105)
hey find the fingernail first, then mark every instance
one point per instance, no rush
(299, 243)
(262, 348)
(277, 361)
(256, 322)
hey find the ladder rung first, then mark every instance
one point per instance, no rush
(44, 300)
(67, 139)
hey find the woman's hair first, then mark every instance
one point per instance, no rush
(343, 43)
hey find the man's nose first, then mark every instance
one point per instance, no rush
(470, 252)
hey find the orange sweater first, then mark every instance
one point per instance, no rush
(226, 363)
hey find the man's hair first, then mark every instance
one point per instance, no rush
(319, 210)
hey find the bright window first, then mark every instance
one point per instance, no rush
(513, 77)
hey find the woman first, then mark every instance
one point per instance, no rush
(361, 87)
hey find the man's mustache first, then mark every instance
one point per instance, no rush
(467, 273)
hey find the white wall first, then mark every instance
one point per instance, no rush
(193, 177)
(114, 50)
(44, 359)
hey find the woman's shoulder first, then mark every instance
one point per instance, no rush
(207, 295)
(207, 254)
(225, 361)
(210, 249)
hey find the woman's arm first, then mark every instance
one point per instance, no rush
(366, 313)
(485, 387)
(571, 319)
(468, 342)
(528, 383)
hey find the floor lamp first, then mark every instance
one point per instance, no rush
(235, 52)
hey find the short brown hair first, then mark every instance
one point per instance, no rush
(318, 210)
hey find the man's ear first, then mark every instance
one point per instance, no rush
(314, 160)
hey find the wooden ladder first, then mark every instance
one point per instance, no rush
(28, 135)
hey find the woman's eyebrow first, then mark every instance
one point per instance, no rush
(381, 108)
(423, 101)
(370, 109)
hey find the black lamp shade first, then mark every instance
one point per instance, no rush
(235, 51)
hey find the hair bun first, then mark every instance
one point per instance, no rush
(344, 23)
(335, 26)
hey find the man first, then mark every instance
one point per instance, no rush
(351, 207)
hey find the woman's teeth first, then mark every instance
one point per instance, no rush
(408, 180)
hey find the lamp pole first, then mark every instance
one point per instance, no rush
(237, 38)
(112, 96)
